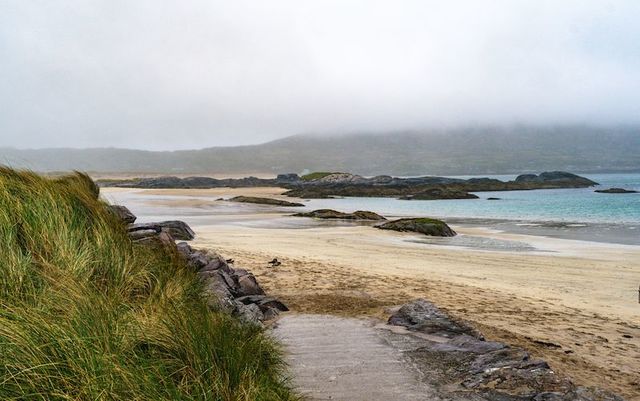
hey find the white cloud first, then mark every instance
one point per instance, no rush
(182, 74)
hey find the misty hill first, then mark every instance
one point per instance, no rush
(438, 152)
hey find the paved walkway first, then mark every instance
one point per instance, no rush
(333, 358)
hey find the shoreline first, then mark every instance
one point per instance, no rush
(203, 202)
(570, 302)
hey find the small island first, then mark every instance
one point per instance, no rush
(334, 214)
(324, 184)
(423, 225)
(439, 193)
(615, 191)
(264, 201)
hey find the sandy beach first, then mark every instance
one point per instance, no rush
(574, 303)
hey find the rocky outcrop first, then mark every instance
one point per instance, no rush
(334, 214)
(326, 184)
(122, 213)
(426, 226)
(615, 191)
(463, 364)
(177, 229)
(562, 178)
(233, 290)
(265, 201)
(429, 187)
(200, 182)
(439, 193)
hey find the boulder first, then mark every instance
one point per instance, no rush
(247, 283)
(263, 301)
(334, 214)
(184, 249)
(250, 314)
(123, 213)
(216, 290)
(431, 227)
(178, 229)
(466, 366)
(153, 238)
(264, 201)
(421, 315)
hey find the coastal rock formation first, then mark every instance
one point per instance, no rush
(201, 182)
(567, 180)
(423, 225)
(439, 193)
(327, 184)
(123, 213)
(234, 290)
(464, 365)
(342, 184)
(177, 229)
(334, 214)
(615, 191)
(265, 201)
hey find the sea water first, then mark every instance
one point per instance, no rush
(580, 205)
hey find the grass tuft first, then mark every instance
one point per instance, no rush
(87, 315)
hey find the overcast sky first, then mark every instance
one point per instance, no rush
(189, 74)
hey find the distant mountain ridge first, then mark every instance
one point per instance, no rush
(436, 152)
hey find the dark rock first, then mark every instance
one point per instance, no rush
(326, 184)
(421, 315)
(123, 213)
(616, 191)
(288, 178)
(250, 313)
(333, 214)
(143, 233)
(153, 238)
(271, 313)
(431, 227)
(229, 280)
(494, 198)
(526, 178)
(439, 193)
(265, 201)
(429, 187)
(184, 249)
(178, 229)
(557, 178)
(198, 260)
(263, 301)
(216, 289)
(247, 283)
(463, 364)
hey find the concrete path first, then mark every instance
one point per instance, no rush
(333, 358)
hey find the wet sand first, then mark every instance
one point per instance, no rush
(574, 303)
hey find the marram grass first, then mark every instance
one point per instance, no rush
(87, 315)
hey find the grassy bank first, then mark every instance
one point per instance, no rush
(87, 315)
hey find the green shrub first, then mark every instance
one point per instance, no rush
(87, 315)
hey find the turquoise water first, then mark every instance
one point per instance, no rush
(549, 205)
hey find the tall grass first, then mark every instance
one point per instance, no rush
(87, 315)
